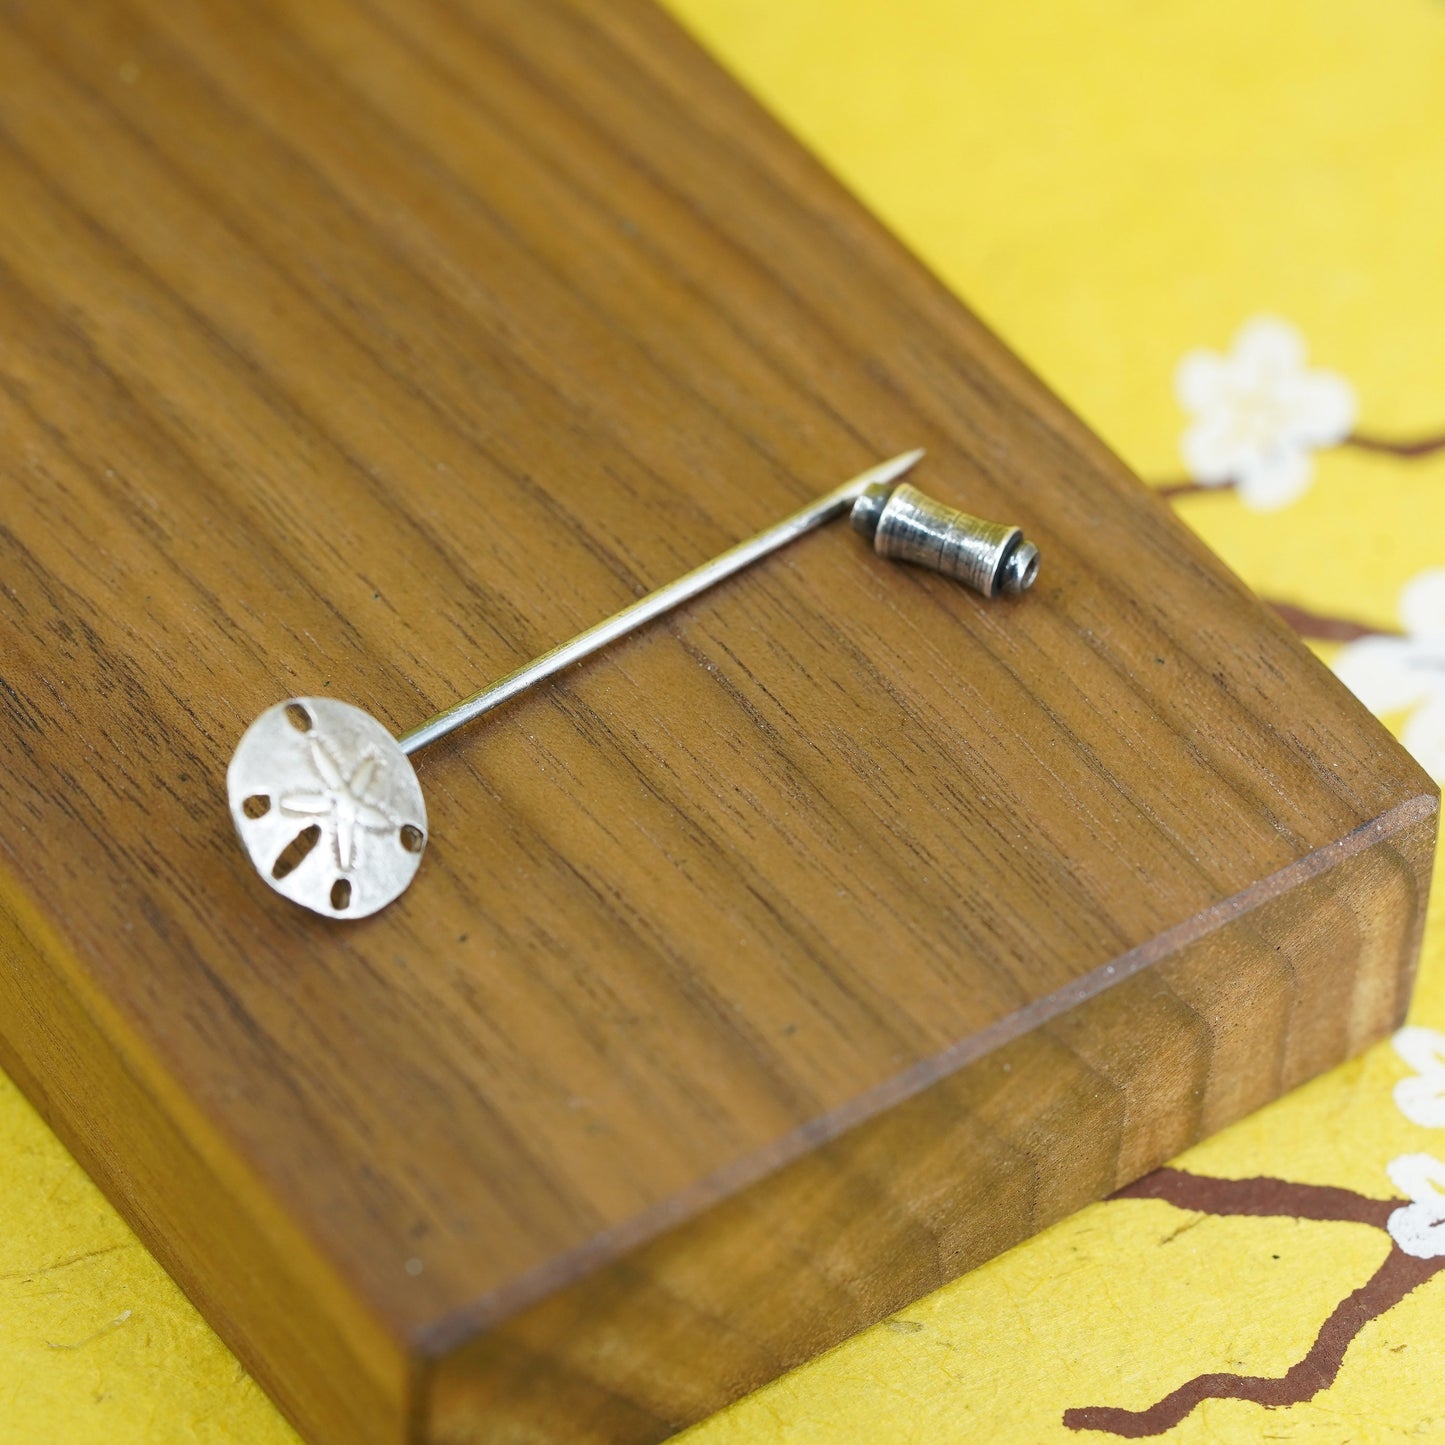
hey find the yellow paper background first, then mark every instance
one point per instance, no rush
(1111, 184)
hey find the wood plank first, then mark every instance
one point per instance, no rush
(762, 973)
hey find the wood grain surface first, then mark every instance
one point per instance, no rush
(784, 961)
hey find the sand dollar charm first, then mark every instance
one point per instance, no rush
(328, 806)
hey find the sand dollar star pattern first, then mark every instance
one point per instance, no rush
(343, 803)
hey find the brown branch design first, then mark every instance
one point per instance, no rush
(1324, 628)
(1266, 1197)
(1362, 441)
(1420, 447)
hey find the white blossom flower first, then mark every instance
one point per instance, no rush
(1419, 1226)
(1421, 1097)
(1259, 415)
(1391, 674)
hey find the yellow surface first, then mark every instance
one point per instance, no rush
(1113, 185)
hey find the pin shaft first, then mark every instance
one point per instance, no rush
(664, 599)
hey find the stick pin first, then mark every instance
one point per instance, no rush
(328, 805)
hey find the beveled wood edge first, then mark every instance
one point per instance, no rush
(518, 1378)
(362, 1331)
(434, 1341)
(412, 1361)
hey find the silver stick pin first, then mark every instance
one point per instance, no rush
(327, 803)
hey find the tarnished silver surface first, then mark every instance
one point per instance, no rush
(908, 526)
(328, 806)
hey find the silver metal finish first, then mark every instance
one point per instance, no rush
(828, 506)
(328, 806)
(910, 527)
(327, 803)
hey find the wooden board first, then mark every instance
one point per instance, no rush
(761, 974)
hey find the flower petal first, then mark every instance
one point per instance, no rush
(1377, 670)
(1318, 407)
(1419, 1229)
(1201, 381)
(1422, 604)
(1421, 1097)
(1421, 1048)
(1419, 1177)
(1276, 478)
(1424, 736)
(1267, 349)
(1211, 450)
